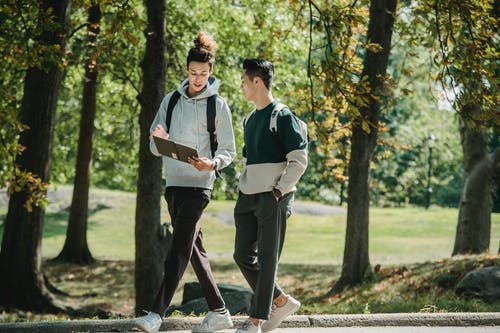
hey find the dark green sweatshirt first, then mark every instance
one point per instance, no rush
(272, 162)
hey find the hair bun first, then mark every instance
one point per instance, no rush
(205, 41)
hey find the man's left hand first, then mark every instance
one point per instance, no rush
(201, 163)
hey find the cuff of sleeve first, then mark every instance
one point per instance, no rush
(281, 189)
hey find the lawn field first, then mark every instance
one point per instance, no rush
(396, 235)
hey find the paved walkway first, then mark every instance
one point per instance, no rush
(370, 323)
(386, 329)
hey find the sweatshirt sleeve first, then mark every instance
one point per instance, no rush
(295, 146)
(160, 118)
(226, 149)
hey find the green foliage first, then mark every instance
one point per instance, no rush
(461, 37)
(12, 49)
(318, 76)
(116, 125)
(22, 31)
(30, 184)
(399, 174)
(467, 37)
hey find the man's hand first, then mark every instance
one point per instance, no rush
(159, 132)
(202, 163)
(277, 194)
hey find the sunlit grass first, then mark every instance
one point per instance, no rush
(396, 235)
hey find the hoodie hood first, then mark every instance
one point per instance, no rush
(212, 88)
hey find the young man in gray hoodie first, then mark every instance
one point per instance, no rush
(189, 185)
(274, 163)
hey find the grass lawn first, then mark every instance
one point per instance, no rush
(411, 245)
(397, 235)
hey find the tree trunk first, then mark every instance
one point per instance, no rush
(481, 177)
(150, 247)
(75, 248)
(356, 260)
(21, 281)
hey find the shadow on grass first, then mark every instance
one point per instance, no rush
(108, 285)
(56, 223)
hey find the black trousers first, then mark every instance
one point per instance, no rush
(260, 233)
(185, 205)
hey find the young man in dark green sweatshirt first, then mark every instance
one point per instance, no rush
(274, 162)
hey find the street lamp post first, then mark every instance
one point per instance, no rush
(430, 145)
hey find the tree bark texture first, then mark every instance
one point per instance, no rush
(150, 248)
(76, 248)
(481, 178)
(22, 284)
(356, 260)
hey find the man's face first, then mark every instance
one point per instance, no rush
(198, 74)
(247, 87)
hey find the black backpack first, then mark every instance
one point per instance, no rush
(210, 120)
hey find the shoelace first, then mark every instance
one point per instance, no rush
(273, 309)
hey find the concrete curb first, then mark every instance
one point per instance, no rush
(185, 323)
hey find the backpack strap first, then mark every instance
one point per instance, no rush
(171, 104)
(273, 123)
(211, 112)
(211, 123)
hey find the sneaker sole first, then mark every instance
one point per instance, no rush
(147, 329)
(268, 329)
(213, 329)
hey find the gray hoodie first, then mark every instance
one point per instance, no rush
(189, 127)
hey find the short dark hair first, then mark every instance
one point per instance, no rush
(261, 68)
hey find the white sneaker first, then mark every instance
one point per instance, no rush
(149, 323)
(248, 327)
(214, 321)
(278, 314)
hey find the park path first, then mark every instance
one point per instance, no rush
(385, 329)
(460, 322)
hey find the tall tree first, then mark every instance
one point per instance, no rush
(149, 245)
(364, 137)
(467, 58)
(22, 283)
(481, 178)
(76, 248)
(481, 173)
(17, 22)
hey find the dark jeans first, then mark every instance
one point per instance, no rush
(185, 206)
(260, 233)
